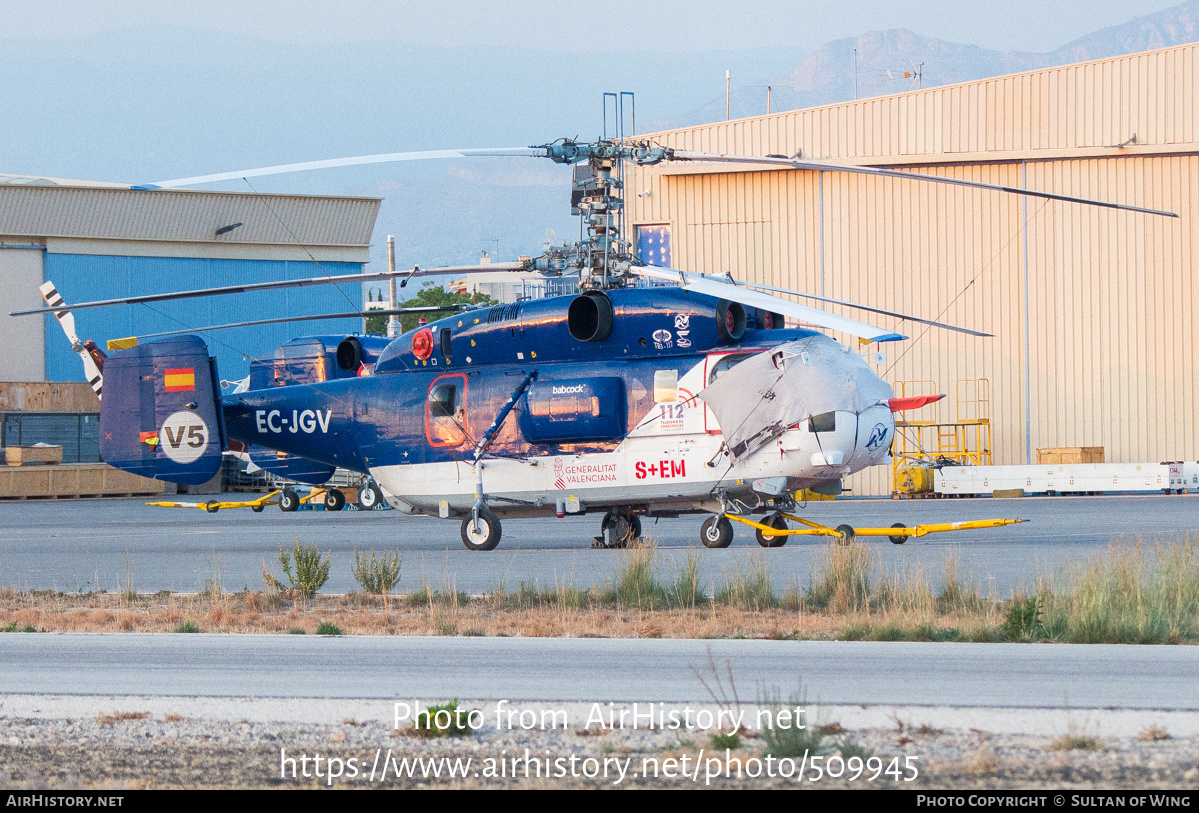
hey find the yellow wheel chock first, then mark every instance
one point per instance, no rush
(844, 534)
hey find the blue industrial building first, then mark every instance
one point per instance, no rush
(103, 242)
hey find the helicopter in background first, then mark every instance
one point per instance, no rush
(695, 397)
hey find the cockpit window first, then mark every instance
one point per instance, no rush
(725, 364)
(825, 422)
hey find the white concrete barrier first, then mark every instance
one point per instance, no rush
(1064, 478)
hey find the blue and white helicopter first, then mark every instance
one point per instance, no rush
(694, 397)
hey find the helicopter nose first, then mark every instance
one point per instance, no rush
(845, 440)
(876, 430)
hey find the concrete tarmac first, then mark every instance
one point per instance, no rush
(105, 544)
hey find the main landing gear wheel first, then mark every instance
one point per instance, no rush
(486, 536)
(369, 496)
(334, 500)
(777, 522)
(898, 539)
(619, 530)
(289, 500)
(716, 532)
(847, 534)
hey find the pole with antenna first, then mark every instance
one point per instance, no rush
(728, 83)
(393, 321)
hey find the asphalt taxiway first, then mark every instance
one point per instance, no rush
(105, 544)
(606, 669)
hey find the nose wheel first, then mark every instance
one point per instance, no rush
(484, 534)
(776, 522)
(716, 532)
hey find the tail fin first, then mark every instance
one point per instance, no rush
(92, 361)
(161, 414)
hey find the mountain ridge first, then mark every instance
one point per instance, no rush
(833, 74)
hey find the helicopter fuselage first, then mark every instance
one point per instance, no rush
(606, 413)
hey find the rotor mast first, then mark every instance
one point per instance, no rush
(603, 254)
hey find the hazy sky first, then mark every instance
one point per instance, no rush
(615, 25)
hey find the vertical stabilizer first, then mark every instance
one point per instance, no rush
(161, 414)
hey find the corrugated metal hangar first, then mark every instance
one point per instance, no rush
(1094, 311)
(97, 241)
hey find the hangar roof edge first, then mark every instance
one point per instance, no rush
(112, 213)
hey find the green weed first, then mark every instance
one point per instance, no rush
(14, 628)
(447, 720)
(1024, 620)
(377, 575)
(794, 735)
(635, 585)
(722, 741)
(309, 573)
(685, 592)
(748, 586)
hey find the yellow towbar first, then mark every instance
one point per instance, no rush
(212, 506)
(844, 534)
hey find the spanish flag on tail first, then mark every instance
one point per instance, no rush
(182, 379)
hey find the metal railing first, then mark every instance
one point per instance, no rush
(963, 441)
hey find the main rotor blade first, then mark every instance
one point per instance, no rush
(350, 315)
(895, 314)
(724, 290)
(416, 271)
(827, 166)
(333, 163)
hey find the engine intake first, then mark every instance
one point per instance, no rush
(730, 321)
(589, 317)
(349, 353)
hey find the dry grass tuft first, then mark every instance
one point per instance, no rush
(121, 716)
(1153, 733)
(982, 762)
(1075, 742)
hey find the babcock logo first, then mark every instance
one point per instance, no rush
(575, 390)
